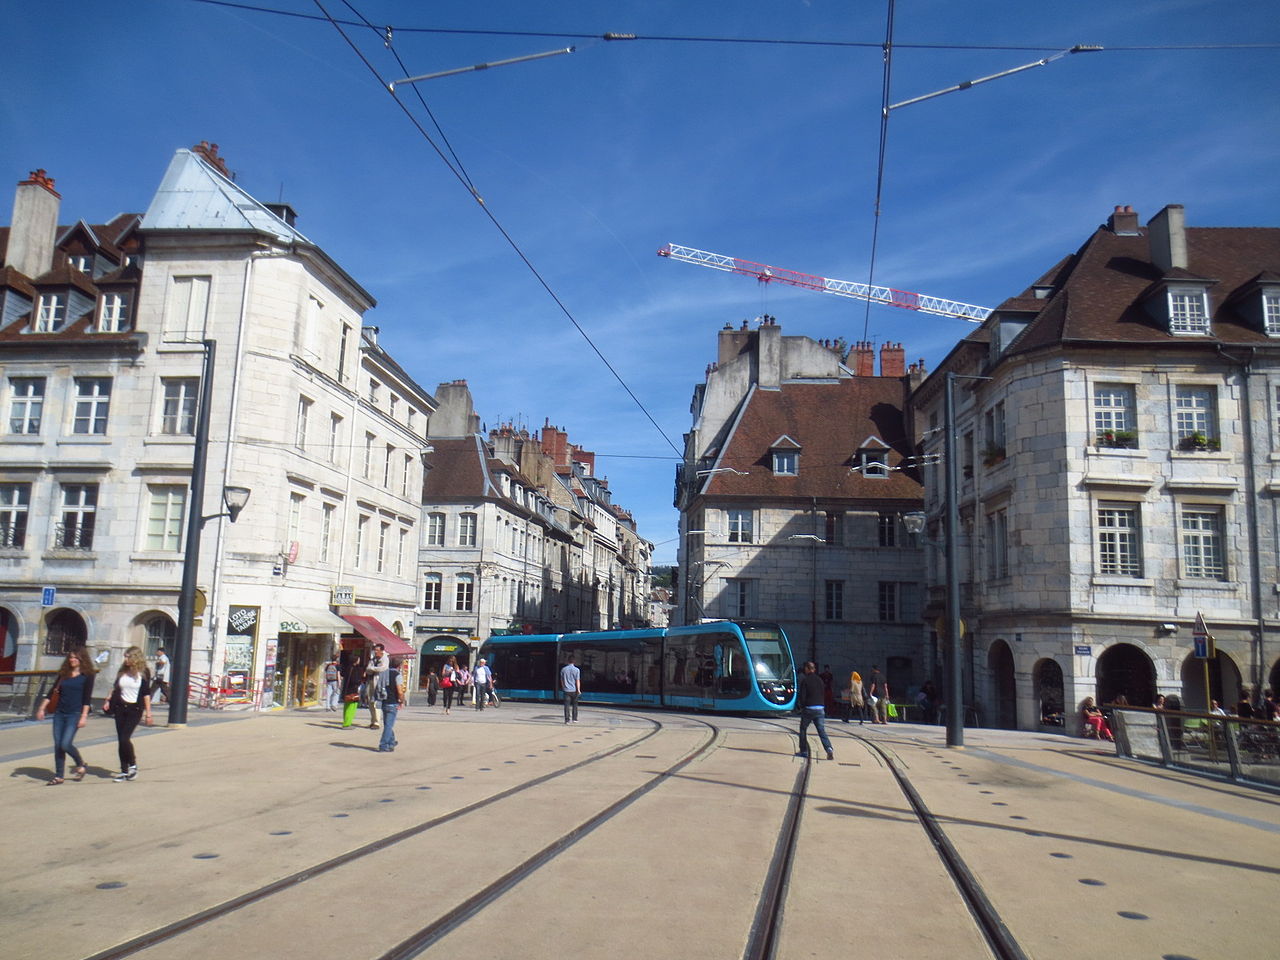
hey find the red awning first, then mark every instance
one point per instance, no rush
(372, 630)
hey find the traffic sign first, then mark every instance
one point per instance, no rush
(1201, 642)
(48, 596)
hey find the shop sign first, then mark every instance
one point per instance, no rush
(343, 596)
(428, 628)
(446, 646)
(293, 626)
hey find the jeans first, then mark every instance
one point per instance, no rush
(64, 732)
(482, 694)
(388, 741)
(817, 716)
(332, 696)
(127, 716)
(570, 705)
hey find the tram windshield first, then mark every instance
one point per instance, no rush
(769, 656)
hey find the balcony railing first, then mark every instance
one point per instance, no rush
(13, 535)
(69, 536)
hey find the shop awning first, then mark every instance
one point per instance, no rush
(371, 629)
(311, 620)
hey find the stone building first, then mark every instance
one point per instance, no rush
(797, 470)
(1119, 466)
(102, 349)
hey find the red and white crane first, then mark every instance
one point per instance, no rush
(841, 288)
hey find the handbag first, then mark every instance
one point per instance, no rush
(54, 696)
(350, 697)
(446, 680)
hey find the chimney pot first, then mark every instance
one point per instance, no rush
(1123, 222)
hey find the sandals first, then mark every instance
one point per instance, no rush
(78, 774)
(54, 782)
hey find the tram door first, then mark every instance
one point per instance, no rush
(690, 671)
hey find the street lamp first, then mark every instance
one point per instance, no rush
(234, 500)
(813, 592)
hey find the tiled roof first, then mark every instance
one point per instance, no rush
(457, 470)
(1100, 297)
(830, 420)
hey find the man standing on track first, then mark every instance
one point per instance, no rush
(810, 697)
(571, 688)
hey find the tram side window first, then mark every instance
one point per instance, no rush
(733, 669)
(605, 669)
(681, 667)
(525, 667)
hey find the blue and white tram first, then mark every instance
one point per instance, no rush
(731, 665)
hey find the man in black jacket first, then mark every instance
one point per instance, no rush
(811, 700)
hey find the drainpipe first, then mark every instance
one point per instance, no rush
(1251, 506)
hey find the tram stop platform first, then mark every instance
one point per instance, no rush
(627, 835)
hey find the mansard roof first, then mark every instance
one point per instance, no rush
(830, 419)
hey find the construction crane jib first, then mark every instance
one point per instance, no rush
(841, 288)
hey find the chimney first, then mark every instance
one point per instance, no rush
(1167, 234)
(1124, 221)
(35, 225)
(893, 360)
(208, 152)
(284, 212)
(769, 357)
(864, 359)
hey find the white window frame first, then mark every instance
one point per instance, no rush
(368, 454)
(998, 544)
(1201, 545)
(26, 405)
(178, 399)
(1188, 310)
(79, 508)
(874, 464)
(304, 420)
(786, 463)
(888, 601)
(113, 312)
(383, 529)
(166, 516)
(464, 593)
(1271, 312)
(467, 525)
(362, 530)
(1195, 410)
(15, 510)
(833, 600)
(435, 529)
(741, 525)
(51, 312)
(327, 512)
(188, 309)
(433, 592)
(1118, 539)
(92, 406)
(297, 502)
(1113, 408)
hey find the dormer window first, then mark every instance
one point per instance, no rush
(83, 263)
(1271, 311)
(51, 313)
(113, 313)
(786, 463)
(1188, 310)
(874, 463)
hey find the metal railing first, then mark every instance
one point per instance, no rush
(22, 690)
(1246, 751)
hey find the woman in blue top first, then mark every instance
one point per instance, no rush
(75, 699)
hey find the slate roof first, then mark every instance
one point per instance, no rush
(830, 420)
(459, 470)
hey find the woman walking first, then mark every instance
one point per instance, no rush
(351, 682)
(449, 681)
(130, 704)
(73, 693)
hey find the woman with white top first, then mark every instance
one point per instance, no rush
(130, 703)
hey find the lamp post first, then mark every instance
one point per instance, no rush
(951, 527)
(234, 499)
(813, 591)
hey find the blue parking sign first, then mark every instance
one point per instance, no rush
(48, 596)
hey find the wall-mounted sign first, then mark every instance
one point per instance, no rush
(343, 596)
(1083, 650)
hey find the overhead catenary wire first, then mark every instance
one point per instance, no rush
(880, 156)
(383, 83)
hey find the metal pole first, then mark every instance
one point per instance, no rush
(180, 662)
(955, 695)
(813, 605)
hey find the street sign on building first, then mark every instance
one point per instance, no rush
(48, 596)
(342, 596)
(1201, 642)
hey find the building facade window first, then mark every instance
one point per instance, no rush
(113, 313)
(387, 459)
(407, 475)
(1271, 313)
(178, 406)
(435, 530)
(464, 595)
(786, 463)
(344, 341)
(15, 503)
(887, 526)
(188, 309)
(26, 404)
(431, 592)
(384, 529)
(1119, 544)
(874, 463)
(161, 634)
(1114, 424)
(998, 544)
(326, 530)
(362, 540)
(467, 530)
(401, 548)
(296, 503)
(51, 313)
(93, 402)
(368, 455)
(739, 597)
(1202, 555)
(1195, 415)
(833, 528)
(740, 526)
(304, 420)
(165, 512)
(335, 436)
(79, 510)
(889, 609)
(834, 608)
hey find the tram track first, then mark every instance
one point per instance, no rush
(183, 925)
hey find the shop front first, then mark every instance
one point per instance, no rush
(371, 630)
(435, 651)
(307, 639)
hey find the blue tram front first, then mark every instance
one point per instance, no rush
(726, 665)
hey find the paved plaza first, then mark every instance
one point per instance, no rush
(327, 848)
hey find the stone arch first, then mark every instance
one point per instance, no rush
(1273, 679)
(1224, 682)
(1050, 691)
(1004, 713)
(8, 643)
(1126, 669)
(64, 631)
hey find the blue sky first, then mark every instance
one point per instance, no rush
(591, 161)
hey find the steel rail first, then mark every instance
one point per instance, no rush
(762, 941)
